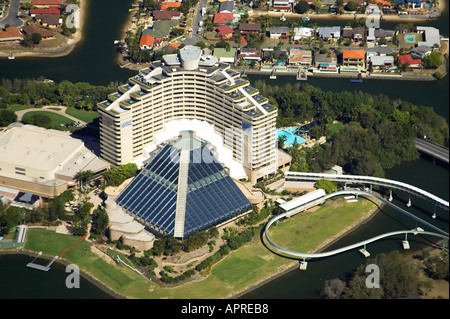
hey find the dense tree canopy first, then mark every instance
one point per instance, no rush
(376, 132)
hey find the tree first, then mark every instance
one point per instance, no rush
(333, 289)
(317, 4)
(302, 7)
(7, 117)
(100, 221)
(327, 185)
(36, 37)
(281, 140)
(352, 6)
(432, 60)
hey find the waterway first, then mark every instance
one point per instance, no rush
(94, 61)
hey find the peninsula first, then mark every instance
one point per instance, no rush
(58, 25)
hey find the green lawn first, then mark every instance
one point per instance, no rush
(57, 119)
(237, 271)
(85, 116)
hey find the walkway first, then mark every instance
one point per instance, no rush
(48, 108)
(299, 176)
(439, 233)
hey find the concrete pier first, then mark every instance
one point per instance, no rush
(405, 244)
(364, 252)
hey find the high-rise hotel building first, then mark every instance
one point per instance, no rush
(190, 91)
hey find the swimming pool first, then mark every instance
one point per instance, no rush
(290, 136)
(410, 38)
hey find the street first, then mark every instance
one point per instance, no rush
(12, 17)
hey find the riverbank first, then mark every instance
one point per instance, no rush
(293, 266)
(65, 48)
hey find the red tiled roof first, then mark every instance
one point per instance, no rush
(146, 40)
(354, 54)
(223, 18)
(170, 4)
(224, 30)
(50, 10)
(407, 58)
(10, 32)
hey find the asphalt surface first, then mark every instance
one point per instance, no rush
(12, 17)
(194, 38)
(434, 150)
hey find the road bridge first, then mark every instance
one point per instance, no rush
(300, 176)
(437, 232)
(436, 151)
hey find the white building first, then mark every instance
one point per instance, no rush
(192, 87)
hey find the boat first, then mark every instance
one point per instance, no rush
(272, 75)
(301, 74)
(11, 55)
(306, 18)
(358, 80)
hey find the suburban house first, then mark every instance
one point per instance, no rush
(146, 42)
(407, 59)
(373, 9)
(225, 56)
(283, 5)
(170, 4)
(160, 30)
(302, 32)
(32, 28)
(49, 10)
(430, 36)
(246, 28)
(49, 20)
(356, 34)
(384, 34)
(384, 4)
(223, 18)
(226, 7)
(166, 15)
(10, 35)
(249, 54)
(299, 57)
(279, 32)
(353, 58)
(329, 32)
(225, 31)
(421, 51)
(46, 3)
(382, 63)
(412, 4)
(325, 62)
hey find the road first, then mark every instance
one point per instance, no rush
(432, 149)
(12, 17)
(194, 38)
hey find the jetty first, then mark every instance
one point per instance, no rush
(32, 264)
(11, 55)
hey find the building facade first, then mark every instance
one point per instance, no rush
(190, 86)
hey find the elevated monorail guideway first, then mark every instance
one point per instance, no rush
(300, 176)
(437, 232)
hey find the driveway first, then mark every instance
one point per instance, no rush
(12, 17)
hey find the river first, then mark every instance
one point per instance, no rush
(93, 60)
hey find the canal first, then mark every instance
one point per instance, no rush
(94, 61)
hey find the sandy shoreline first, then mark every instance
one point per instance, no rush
(63, 50)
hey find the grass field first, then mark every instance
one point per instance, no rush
(242, 268)
(57, 119)
(84, 116)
